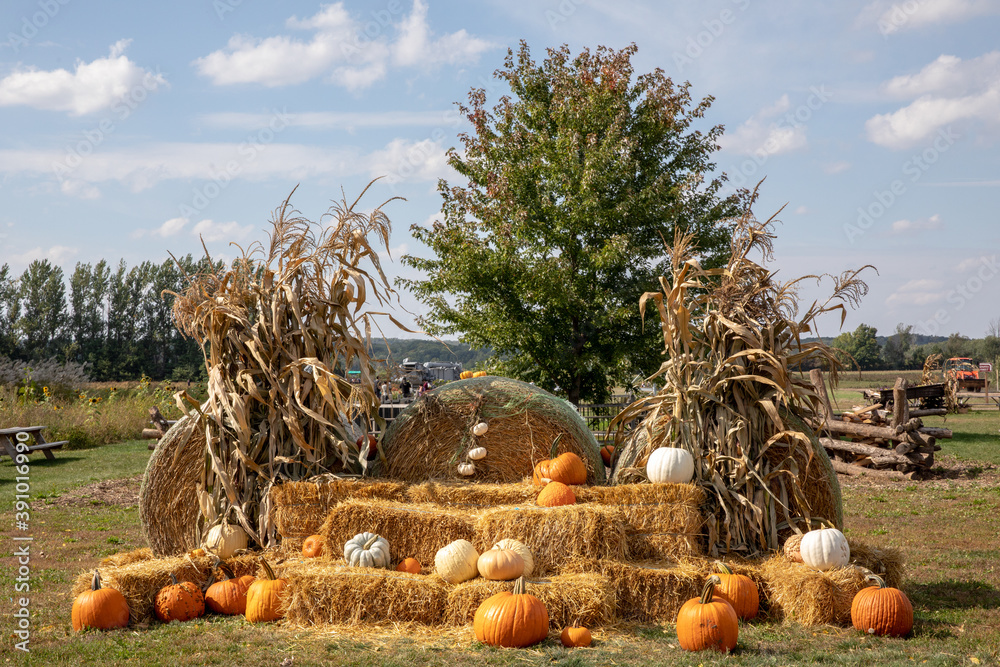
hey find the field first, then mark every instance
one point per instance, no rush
(83, 508)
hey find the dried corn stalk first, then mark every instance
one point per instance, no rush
(279, 330)
(731, 393)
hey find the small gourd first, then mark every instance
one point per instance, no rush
(477, 453)
(555, 494)
(575, 636)
(480, 429)
(313, 546)
(367, 550)
(467, 469)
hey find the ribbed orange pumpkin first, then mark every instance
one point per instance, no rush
(704, 622)
(555, 494)
(511, 619)
(411, 565)
(313, 545)
(230, 595)
(739, 590)
(101, 608)
(179, 601)
(575, 636)
(264, 597)
(607, 451)
(567, 468)
(500, 565)
(881, 610)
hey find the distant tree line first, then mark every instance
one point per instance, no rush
(396, 350)
(906, 350)
(113, 319)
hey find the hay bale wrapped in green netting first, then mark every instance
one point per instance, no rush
(798, 593)
(431, 437)
(886, 562)
(322, 591)
(472, 496)
(555, 534)
(298, 509)
(168, 496)
(141, 580)
(413, 531)
(587, 598)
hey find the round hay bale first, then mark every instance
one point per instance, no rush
(431, 437)
(168, 504)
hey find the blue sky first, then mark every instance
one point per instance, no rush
(133, 128)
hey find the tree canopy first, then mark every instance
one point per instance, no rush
(574, 182)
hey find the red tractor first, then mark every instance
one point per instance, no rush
(964, 372)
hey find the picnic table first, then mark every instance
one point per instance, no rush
(8, 438)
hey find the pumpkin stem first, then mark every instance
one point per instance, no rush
(370, 542)
(722, 566)
(209, 582)
(173, 578)
(555, 443)
(267, 569)
(877, 580)
(228, 571)
(706, 593)
(519, 586)
(95, 585)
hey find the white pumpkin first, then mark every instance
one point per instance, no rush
(825, 549)
(467, 469)
(457, 562)
(225, 539)
(367, 550)
(670, 465)
(522, 550)
(480, 429)
(477, 453)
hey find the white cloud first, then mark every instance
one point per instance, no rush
(91, 87)
(801, 210)
(404, 160)
(921, 225)
(920, 292)
(892, 17)
(949, 90)
(57, 254)
(350, 52)
(762, 136)
(221, 231)
(348, 120)
(836, 167)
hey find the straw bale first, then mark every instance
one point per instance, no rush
(555, 534)
(323, 592)
(413, 531)
(648, 591)
(567, 597)
(886, 562)
(428, 439)
(801, 594)
(140, 581)
(128, 557)
(473, 496)
(168, 500)
(663, 546)
(651, 508)
(299, 508)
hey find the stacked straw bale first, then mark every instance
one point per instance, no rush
(799, 593)
(472, 496)
(432, 436)
(589, 598)
(555, 534)
(413, 531)
(139, 581)
(299, 508)
(886, 562)
(329, 592)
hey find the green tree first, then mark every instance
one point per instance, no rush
(572, 185)
(897, 346)
(861, 345)
(43, 310)
(10, 311)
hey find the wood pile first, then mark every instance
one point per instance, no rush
(873, 440)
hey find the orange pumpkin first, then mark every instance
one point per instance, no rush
(567, 468)
(179, 601)
(228, 596)
(706, 622)
(264, 597)
(480, 374)
(313, 545)
(882, 610)
(607, 451)
(411, 565)
(739, 590)
(575, 636)
(500, 565)
(555, 494)
(511, 619)
(101, 608)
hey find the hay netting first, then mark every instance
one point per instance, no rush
(588, 598)
(140, 581)
(299, 508)
(168, 497)
(413, 531)
(329, 592)
(430, 438)
(731, 397)
(555, 534)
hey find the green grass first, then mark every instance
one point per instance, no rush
(78, 467)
